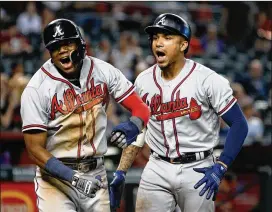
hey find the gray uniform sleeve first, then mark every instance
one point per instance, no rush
(219, 93)
(119, 86)
(33, 111)
(137, 86)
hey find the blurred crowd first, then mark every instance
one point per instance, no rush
(232, 38)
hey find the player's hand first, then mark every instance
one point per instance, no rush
(124, 134)
(116, 189)
(213, 176)
(86, 185)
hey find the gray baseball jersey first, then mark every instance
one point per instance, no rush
(185, 110)
(74, 117)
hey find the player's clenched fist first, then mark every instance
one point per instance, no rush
(125, 133)
(118, 139)
(86, 185)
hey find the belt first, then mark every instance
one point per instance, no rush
(187, 157)
(82, 164)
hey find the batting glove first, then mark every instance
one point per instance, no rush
(116, 189)
(124, 134)
(213, 176)
(86, 185)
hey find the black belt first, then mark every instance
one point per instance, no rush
(82, 164)
(186, 157)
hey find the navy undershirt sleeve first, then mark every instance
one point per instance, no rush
(236, 135)
(59, 170)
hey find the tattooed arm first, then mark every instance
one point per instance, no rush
(128, 156)
(129, 153)
(118, 183)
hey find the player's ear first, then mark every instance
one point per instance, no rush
(184, 44)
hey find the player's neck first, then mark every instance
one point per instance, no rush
(173, 70)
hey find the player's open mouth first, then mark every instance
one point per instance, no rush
(160, 56)
(66, 62)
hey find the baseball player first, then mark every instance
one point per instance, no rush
(63, 109)
(186, 100)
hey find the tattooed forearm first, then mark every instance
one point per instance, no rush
(128, 156)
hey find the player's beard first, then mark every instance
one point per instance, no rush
(173, 66)
(162, 64)
(167, 63)
(165, 67)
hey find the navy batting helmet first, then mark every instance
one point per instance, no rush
(172, 24)
(64, 29)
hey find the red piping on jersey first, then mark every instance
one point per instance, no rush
(93, 118)
(227, 106)
(126, 93)
(80, 136)
(93, 128)
(162, 123)
(59, 79)
(34, 125)
(172, 98)
(89, 75)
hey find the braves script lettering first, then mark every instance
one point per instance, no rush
(81, 102)
(172, 109)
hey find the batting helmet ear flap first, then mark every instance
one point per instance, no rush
(78, 54)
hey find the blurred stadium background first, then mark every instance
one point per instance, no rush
(233, 38)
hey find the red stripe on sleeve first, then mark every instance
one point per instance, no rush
(228, 105)
(34, 126)
(126, 93)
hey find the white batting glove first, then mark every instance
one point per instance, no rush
(119, 139)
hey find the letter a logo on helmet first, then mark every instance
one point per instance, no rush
(58, 31)
(162, 21)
